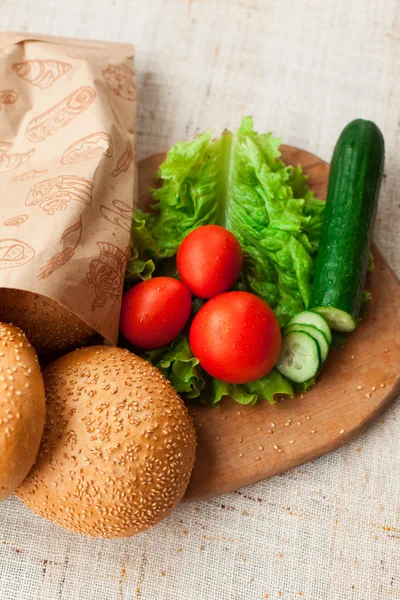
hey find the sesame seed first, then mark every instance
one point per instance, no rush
(217, 438)
(240, 440)
(359, 387)
(276, 447)
(258, 457)
(273, 425)
(341, 431)
(270, 431)
(279, 450)
(238, 413)
(386, 349)
(373, 388)
(298, 422)
(368, 395)
(382, 385)
(261, 448)
(313, 431)
(291, 441)
(308, 418)
(241, 455)
(352, 357)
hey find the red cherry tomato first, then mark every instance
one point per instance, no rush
(236, 337)
(209, 260)
(154, 312)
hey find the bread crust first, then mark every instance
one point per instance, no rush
(49, 326)
(118, 448)
(22, 408)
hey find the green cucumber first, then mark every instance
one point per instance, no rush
(299, 357)
(318, 336)
(344, 248)
(307, 317)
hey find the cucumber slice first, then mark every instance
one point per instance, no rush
(316, 320)
(317, 335)
(338, 319)
(299, 357)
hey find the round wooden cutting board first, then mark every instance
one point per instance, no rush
(240, 445)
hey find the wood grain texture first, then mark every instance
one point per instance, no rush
(240, 445)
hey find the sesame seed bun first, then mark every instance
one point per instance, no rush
(49, 326)
(22, 408)
(118, 447)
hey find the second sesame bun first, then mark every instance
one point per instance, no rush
(22, 408)
(118, 447)
(49, 326)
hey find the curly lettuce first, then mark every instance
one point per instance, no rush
(237, 181)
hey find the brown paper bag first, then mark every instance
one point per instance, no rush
(67, 171)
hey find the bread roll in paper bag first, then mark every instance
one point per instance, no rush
(67, 172)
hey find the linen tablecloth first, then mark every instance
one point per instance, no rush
(326, 530)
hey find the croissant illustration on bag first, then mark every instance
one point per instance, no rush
(91, 146)
(106, 273)
(41, 73)
(8, 162)
(56, 193)
(14, 253)
(60, 115)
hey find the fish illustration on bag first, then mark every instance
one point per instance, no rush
(41, 73)
(8, 161)
(14, 253)
(106, 273)
(125, 161)
(56, 193)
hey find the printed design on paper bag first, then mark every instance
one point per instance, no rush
(120, 79)
(60, 115)
(106, 273)
(56, 193)
(16, 221)
(29, 175)
(8, 161)
(8, 97)
(41, 73)
(14, 253)
(61, 258)
(91, 146)
(125, 161)
(122, 216)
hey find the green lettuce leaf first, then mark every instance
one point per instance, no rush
(237, 181)
(182, 369)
